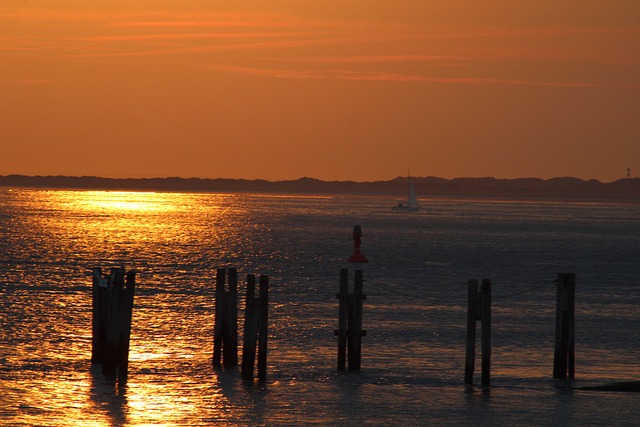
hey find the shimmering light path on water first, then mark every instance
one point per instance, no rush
(413, 354)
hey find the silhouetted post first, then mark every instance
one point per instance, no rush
(114, 324)
(343, 306)
(355, 323)
(485, 314)
(263, 330)
(250, 330)
(256, 329)
(218, 321)
(478, 308)
(125, 337)
(99, 318)
(225, 337)
(564, 353)
(111, 320)
(472, 301)
(230, 346)
(350, 330)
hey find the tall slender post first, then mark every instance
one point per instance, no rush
(564, 352)
(485, 309)
(342, 319)
(355, 323)
(125, 338)
(230, 330)
(219, 316)
(472, 301)
(97, 339)
(263, 330)
(571, 316)
(250, 330)
(114, 327)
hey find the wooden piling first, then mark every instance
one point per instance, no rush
(472, 301)
(225, 337)
(111, 320)
(220, 301)
(485, 309)
(230, 346)
(564, 352)
(341, 332)
(99, 318)
(115, 322)
(125, 337)
(250, 330)
(478, 309)
(350, 330)
(263, 329)
(355, 323)
(256, 329)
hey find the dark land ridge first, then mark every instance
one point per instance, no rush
(522, 188)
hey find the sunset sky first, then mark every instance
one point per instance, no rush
(333, 89)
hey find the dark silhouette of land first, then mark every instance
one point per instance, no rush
(522, 188)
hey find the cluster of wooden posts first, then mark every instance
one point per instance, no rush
(111, 325)
(256, 319)
(113, 302)
(479, 309)
(350, 330)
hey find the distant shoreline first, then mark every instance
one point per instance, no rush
(627, 189)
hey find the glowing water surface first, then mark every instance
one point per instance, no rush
(413, 354)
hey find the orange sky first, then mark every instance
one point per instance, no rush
(334, 89)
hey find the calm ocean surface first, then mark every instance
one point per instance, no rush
(415, 312)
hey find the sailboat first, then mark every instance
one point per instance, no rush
(411, 204)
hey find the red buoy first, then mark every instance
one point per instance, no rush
(357, 255)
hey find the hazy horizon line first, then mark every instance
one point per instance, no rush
(413, 177)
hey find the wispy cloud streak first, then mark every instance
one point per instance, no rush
(399, 77)
(371, 51)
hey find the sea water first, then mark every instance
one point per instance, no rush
(414, 313)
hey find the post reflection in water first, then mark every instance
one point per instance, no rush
(413, 354)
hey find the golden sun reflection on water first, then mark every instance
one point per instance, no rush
(170, 375)
(109, 201)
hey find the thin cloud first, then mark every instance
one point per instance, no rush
(196, 36)
(400, 77)
(26, 81)
(143, 34)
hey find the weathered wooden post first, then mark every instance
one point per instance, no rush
(564, 353)
(343, 307)
(125, 337)
(115, 324)
(355, 323)
(250, 330)
(263, 329)
(111, 322)
(225, 337)
(485, 317)
(472, 302)
(99, 319)
(350, 330)
(256, 322)
(478, 308)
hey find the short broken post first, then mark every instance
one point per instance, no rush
(225, 337)
(564, 353)
(478, 308)
(350, 330)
